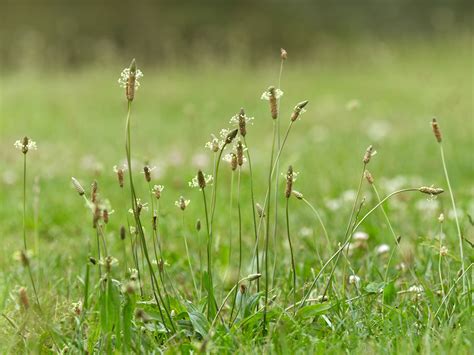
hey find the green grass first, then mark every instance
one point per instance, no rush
(78, 121)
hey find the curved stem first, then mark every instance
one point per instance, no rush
(318, 216)
(252, 197)
(293, 267)
(347, 241)
(189, 258)
(267, 224)
(453, 204)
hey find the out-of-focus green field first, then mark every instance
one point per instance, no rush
(384, 94)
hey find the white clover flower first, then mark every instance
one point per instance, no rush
(25, 144)
(354, 280)
(443, 251)
(235, 120)
(267, 94)
(125, 75)
(360, 236)
(382, 249)
(195, 182)
(215, 144)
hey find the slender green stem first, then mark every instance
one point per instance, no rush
(456, 219)
(293, 266)
(157, 295)
(440, 259)
(188, 256)
(347, 241)
(231, 229)
(267, 223)
(210, 291)
(277, 164)
(24, 201)
(254, 215)
(318, 216)
(267, 194)
(239, 269)
(28, 266)
(391, 230)
(348, 228)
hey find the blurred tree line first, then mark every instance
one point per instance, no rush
(74, 32)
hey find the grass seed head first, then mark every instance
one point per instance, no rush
(240, 153)
(231, 135)
(92, 260)
(94, 189)
(369, 177)
(123, 232)
(130, 88)
(289, 182)
(432, 191)
(283, 54)
(147, 172)
(201, 179)
(242, 123)
(105, 215)
(297, 194)
(77, 185)
(369, 153)
(154, 220)
(198, 225)
(436, 130)
(23, 296)
(298, 110)
(273, 102)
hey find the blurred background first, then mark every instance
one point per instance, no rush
(374, 71)
(52, 33)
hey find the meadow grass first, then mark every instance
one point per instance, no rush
(409, 299)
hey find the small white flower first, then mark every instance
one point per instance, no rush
(382, 249)
(443, 251)
(215, 144)
(267, 94)
(224, 132)
(25, 145)
(125, 75)
(157, 189)
(228, 158)
(140, 206)
(182, 203)
(133, 230)
(360, 236)
(235, 120)
(120, 169)
(416, 289)
(354, 280)
(294, 175)
(195, 183)
(149, 169)
(76, 308)
(441, 218)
